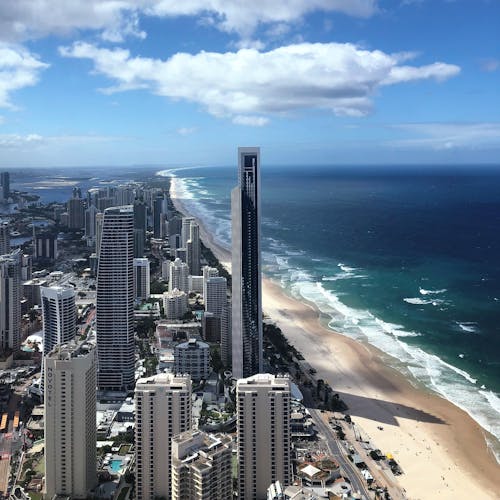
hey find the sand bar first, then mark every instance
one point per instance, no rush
(440, 448)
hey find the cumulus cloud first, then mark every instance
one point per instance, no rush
(31, 141)
(18, 69)
(490, 65)
(446, 136)
(25, 19)
(186, 130)
(248, 85)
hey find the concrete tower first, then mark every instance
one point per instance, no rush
(10, 301)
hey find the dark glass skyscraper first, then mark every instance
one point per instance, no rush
(246, 267)
(115, 300)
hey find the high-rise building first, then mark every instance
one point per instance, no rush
(5, 185)
(263, 431)
(179, 276)
(99, 221)
(140, 226)
(158, 210)
(10, 301)
(4, 237)
(142, 279)
(186, 230)
(115, 300)
(59, 316)
(163, 410)
(76, 210)
(201, 466)
(70, 430)
(90, 224)
(246, 267)
(175, 304)
(192, 357)
(45, 245)
(216, 295)
(208, 272)
(193, 249)
(226, 335)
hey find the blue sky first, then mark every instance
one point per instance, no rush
(171, 82)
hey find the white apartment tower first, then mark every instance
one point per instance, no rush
(186, 230)
(70, 430)
(115, 300)
(163, 410)
(208, 272)
(175, 304)
(59, 316)
(179, 276)
(10, 301)
(263, 430)
(246, 267)
(142, 279)
(201, 466)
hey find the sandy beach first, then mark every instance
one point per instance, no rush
(441, 450)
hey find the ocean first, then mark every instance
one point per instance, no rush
(405, 259)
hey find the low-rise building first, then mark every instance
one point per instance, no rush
(193, 357)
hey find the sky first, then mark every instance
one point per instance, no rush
(184, 82)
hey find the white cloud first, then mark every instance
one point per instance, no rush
(31, 141)
(446, 136)
(252, 121)
(248, 84)
(186, 130)
(18, 69)
(490, 65)
(25, 19)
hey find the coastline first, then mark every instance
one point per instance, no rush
(441, 449)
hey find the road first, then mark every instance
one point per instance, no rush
(324, 429)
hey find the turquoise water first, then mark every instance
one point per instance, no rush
(405, 259)
(116, 465)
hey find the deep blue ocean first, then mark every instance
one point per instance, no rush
(406, 259)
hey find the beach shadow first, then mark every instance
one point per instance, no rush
(385, 412)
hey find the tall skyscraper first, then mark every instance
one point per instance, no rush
(10, 301)
(263, 430)
(4, 237)
(216, 295)
(193, 249)
(201, 466)
(90, 224)
(208, 272)
(70, 430)
(5, 185)
(99, 221)
(59, 316)
(158, 210)
(76, 210)
(140, 226)
(163, 410)
(115, 300)
(246, 267)
(186, 230)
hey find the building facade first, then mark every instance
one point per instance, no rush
(69, 417)
(179, 276)
(201, 466)
(175, 304)
(192, 357)
(4, 237)
(115, 300)
(10, 301)
(263, 433)
(163, 410)
(142, 279)
(246, 267)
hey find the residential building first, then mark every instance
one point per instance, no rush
(263, 433)
(5, 186)
(4, 237)
(69, 419)
(186, 230)
(163, 410)
(175, 304)
(208, 272)
(115, 300)
(179, 276)
(192, 357)
(76, 210)
(215, 295)
(10, 302)
(45, 245)
(142, 279)
(201, 466)
(247, 346)
(193, 249)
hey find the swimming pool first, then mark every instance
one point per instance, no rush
(115, 465)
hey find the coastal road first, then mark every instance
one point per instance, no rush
(357, 483)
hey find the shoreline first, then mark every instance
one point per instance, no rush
(429, 436)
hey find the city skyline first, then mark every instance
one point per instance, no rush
(377, 81)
